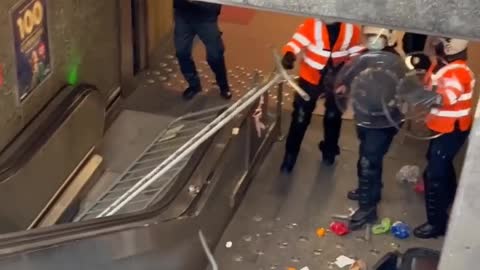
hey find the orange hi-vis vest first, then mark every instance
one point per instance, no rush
(455, 83)
(313, 40)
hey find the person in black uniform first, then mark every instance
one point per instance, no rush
(199, 19)
(374, 128)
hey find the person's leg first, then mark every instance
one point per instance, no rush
(211, 36)
(183, 39)
(332, 124)
(439, 191)
(383, 139)
(374, 144)
(301, 117)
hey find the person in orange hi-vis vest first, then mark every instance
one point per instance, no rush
(325, 46)
(453, 81)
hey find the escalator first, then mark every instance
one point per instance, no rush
(27, 189)
(160, 236)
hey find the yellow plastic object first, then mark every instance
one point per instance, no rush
(321, 232)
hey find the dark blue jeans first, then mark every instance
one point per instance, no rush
(440, 177)
(209, 33)
(374, 144)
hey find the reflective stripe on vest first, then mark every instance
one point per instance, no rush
(450, 114)
(313, 36)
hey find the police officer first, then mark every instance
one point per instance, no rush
(326, 46)
(196, 18)
(453, 81)
(372, 88)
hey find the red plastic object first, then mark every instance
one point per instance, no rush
(339, 228)
(420, 187)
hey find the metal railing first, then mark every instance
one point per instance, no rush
(154, 170)
(173, 137)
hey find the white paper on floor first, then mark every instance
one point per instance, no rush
(343, 261)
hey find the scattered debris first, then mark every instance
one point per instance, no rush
(339, 228)
(401, 230)
(247, 238)
(257, 218)
(420, 187)
(359, 265)
(383, 227)
(305, 268)
(341, 217)
(395, 246)
(343, 261)
(235, 131)
(408, 173)
(368, 229)
(375, 252)
(321, 232)
(345, 217)
(238, 258)
(229, 244)
(303, 239)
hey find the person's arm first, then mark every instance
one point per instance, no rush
(356, 46)
(299, 41)
(450, 89)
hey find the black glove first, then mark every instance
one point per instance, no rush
(424, 98)
(288, 60)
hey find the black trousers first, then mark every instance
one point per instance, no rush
(374, 144)
(302, 115)
(440, 177)
(211, 36)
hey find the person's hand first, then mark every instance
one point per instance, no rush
(288, 60)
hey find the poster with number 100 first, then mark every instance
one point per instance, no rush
(29, 20)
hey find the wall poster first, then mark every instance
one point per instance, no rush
(29, 20)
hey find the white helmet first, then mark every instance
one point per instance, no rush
(452, 46)
(377, 38)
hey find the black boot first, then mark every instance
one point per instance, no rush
(427, 231)
(191, 92)
(436, 202)
(367, 211)
(226, 93)
(328, 153)
(354, 195)
(364, 215)
(288, 163)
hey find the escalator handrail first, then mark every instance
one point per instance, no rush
(18, 158)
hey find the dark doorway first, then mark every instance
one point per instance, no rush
(139, 35)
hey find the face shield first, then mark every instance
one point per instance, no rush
(375, 42)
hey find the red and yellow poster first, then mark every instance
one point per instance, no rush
(29, 20)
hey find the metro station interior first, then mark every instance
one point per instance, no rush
(105, 166)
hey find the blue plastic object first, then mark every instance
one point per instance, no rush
(400, 230)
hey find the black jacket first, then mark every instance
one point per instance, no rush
(196, 11)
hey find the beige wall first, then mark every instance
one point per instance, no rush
(80, 32)
(159, 23)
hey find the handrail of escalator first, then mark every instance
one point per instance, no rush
(14, 159)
